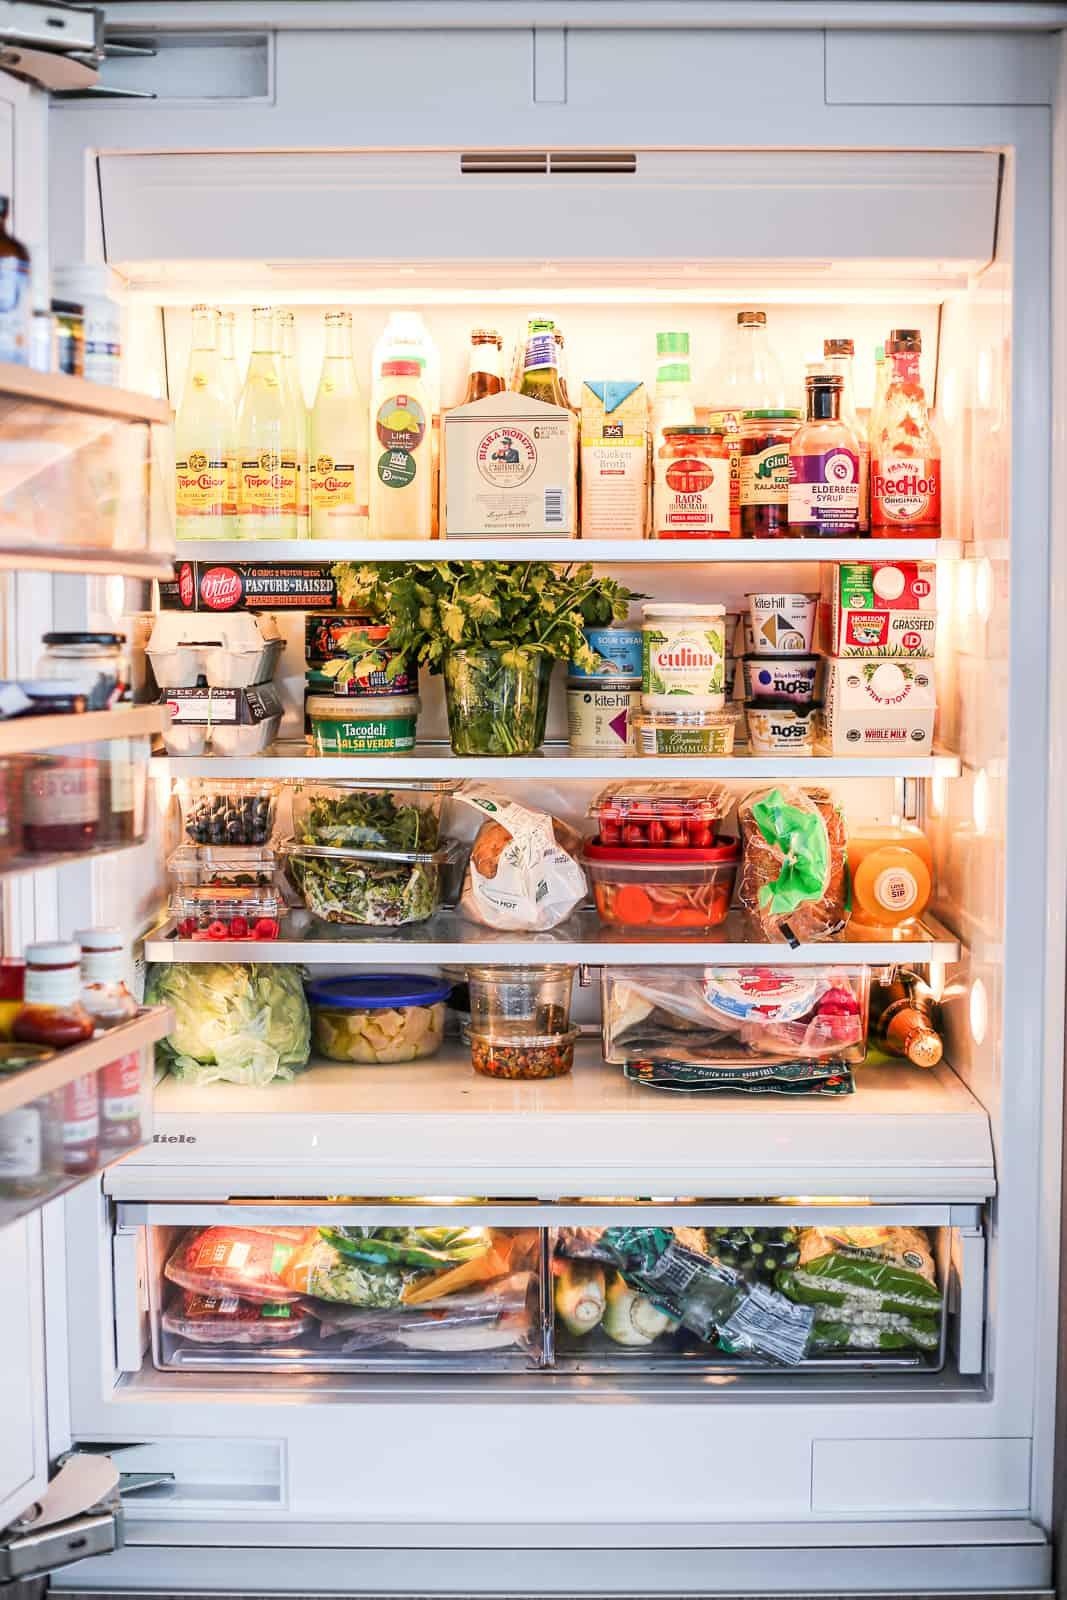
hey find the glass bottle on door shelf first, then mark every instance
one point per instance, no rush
(16, 293)
(297, 424)
(109, 1002)
(338, 441)
(266, 480)
(485, 377)
(903, 1020)
(204, 440)
(824, 466)
(905, 453)
(838, 357)
(540, 364)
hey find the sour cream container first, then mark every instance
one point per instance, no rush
(683, 657)
(599, 716)
(620, 652)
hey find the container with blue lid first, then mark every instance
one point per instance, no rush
(378, 1017)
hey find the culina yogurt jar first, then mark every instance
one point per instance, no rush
(344, 727)
(599, 716)
(620, 653)
(683, 657)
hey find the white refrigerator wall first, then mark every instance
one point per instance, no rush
(279, 1461)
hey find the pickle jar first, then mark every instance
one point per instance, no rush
(764, 487)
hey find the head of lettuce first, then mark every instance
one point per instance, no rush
(233, 1023)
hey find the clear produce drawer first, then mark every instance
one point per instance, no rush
(569, 1289)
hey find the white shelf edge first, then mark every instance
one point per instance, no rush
(26, 735)
(78, 394)
(720, 551)
(143, 564)
(20, 1088)
(293, 761)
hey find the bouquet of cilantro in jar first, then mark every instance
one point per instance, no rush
(493, 629)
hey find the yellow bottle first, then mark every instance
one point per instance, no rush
(891, 867)
(337, 467)
(298, 416)
(401, 465)
(267, 468)
(204, 440)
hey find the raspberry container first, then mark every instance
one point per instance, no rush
(663, 888)
(660, 815)
(219, 913)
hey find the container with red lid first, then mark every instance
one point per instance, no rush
(663, 888)
(660, 816)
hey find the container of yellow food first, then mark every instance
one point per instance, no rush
(378, 1016)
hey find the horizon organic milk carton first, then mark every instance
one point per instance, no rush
(880, 608)
(879, 707)
(614, 459)
(510, 467)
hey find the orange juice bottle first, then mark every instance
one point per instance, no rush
(891, 866)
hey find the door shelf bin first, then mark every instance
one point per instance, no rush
(499, 1325)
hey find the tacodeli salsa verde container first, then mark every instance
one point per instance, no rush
(368, 726)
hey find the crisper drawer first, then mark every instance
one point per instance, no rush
(641, 1289)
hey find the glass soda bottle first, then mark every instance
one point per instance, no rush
(338, 441)
(750, 377)
(204, 440)
(540, 365)
(838, 356)
(824, 466)
(905, 453)
(266, 476)
(485, 376)
(231, 381)
(297, 414)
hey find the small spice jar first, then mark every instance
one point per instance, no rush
(691, 491)
(103, 977)
(98, 662)
(764, 489)
(52, 1012)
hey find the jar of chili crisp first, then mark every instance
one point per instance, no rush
(691, 490)
(764, 490)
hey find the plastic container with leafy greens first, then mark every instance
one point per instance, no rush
(368, 816)
(234, 1022)
(370, 888)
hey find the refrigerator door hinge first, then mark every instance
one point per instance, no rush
(79, 1514)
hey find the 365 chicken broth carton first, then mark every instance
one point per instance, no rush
(614, 432)
(510, 467)
(880, 608)
(873, 707)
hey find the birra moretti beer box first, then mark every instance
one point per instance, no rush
(880, 608)
(510, 468)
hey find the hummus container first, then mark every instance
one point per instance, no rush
(781, 624)
(228, 652)
(782, 730)
(380, 725)
(599, 717)
(684, 733)
(620, 650)
(789, 682)
(683, 657)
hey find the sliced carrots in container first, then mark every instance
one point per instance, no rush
(663, 889)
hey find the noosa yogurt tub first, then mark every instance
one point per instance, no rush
(683, 657)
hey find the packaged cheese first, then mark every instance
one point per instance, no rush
(614, 459)
(879, 707)
(880, 608)
(510, 467)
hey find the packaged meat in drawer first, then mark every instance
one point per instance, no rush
(345, 1298)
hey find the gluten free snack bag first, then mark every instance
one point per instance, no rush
(248, 1262)
(794, 877)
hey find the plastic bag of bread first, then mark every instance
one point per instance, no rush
(794, 873)
(524, 873)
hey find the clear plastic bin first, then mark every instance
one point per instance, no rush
(194, 866)
(345, 1299)
(378, 1017)
(520, 1055)
(738, 1016)
(663, 889)
(650, 815)
(240, 812)
(520, 1001)
(365, 815)
(216, 912)
(368, 888)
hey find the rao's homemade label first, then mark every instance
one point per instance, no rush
(824, 494)
(683, 658)
(691, 494)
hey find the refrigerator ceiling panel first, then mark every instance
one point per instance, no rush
(412, 205)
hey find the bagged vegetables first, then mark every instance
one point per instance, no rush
(794, 874)
(871, 1288)
(318, 1269)
(524, 872)
(234, 1022)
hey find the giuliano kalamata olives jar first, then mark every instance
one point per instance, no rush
(764, 490)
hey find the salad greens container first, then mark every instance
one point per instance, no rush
(370, 888)
(358, 816)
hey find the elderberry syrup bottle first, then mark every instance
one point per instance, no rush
(824, 466)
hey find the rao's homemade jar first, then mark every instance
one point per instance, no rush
(691, 490)
(683, 657)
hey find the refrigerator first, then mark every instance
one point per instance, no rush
(624, 172)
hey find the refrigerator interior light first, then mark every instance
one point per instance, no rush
(980, 802)
(983, 589)
(978, 1010)
(938, 793)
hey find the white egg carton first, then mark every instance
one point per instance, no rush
(236, 651)
(226, 722)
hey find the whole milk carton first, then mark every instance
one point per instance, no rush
(510, 467)
(880, 608)
(879, 707)
(614, 433)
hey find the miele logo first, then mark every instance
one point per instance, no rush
(174, 1138)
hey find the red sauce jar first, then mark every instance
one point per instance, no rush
(52, 1012)
(691, 492)
(62, 802)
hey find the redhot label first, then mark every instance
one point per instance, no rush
(906, 491)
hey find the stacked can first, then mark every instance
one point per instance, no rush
(346, 713)
(683, 682)
(601, 704)
(781, 674)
